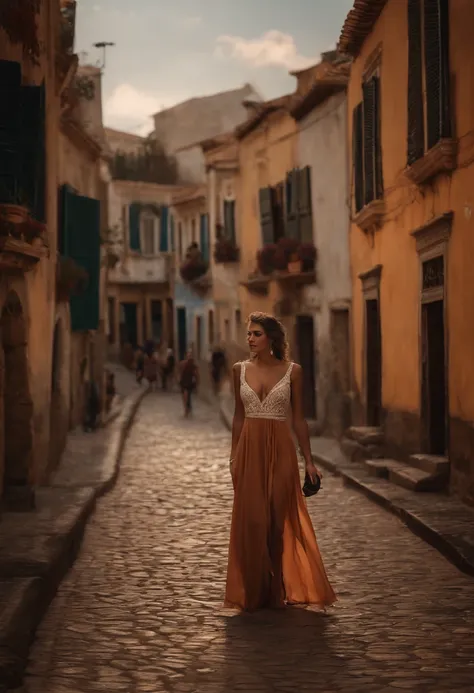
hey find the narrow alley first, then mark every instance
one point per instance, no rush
(141, 609)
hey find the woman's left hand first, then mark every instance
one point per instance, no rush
(313, 471)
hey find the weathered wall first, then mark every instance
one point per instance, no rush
(322, 145)
(394, 248)
(201, 118)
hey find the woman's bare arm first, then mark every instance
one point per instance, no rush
(300, 425)
(239, 412)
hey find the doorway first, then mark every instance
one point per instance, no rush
(128, 324)
(306, 352)
(373, 362)
(156, 309)
(182, 332)
(433, 370)
(338, 411)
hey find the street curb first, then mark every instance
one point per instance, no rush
(415, 523)
(36, 593)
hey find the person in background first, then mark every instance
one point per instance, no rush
(188, 380)
(218, 366)
(110, 390)
(139, 364)
(167, 369)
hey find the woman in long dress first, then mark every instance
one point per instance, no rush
(274, 558)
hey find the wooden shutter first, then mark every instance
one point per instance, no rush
(305, 231)
(10, 162)
(357, 156)
(369, 141)
(416, 127)
(436, 45)
(33, 156)
(134, 226)
(292, 205)
(266, 216)
(378, 139)
(229, 220)
(164, 230)
(204, 237)
(172, 235)
(81, 233)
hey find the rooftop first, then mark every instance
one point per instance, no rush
(359, 23)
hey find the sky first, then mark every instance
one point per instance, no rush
(167, 52)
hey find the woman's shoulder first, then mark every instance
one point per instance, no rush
(237, 367)
(296, 370)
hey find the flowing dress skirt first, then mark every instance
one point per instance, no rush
(273, 554)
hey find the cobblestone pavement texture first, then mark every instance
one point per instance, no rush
(141, 609)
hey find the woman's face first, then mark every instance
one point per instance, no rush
(257, 339)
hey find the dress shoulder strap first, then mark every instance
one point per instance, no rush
(242, 372)
(290, 368)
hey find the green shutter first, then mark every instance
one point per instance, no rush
(10, 84)
(81, 243)
(134, 226)
(266, 215)
(33, 158)
(164, 229)
(305, 227)
(204, 237)
(292, 205)
(172, 235)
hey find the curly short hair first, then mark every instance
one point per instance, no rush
(275, 332)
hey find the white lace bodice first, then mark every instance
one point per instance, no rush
(275, 405)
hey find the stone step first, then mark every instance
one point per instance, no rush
(357, 452)
(365, 435)
(381, 467)
(434, 464)
(415, 479)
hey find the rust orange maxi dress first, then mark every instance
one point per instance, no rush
(273, 554)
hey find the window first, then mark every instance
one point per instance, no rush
(199, 336)
(229, 220)
(180, 240)
(286, 209)
(429, 113)
(367, 145)
(148, 236)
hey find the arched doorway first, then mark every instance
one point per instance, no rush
(17, 405)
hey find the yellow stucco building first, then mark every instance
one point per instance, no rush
(411, 124)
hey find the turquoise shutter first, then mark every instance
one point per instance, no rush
(81, 243)
(164, 230)
(134, 226)
(204, 236)
(33, 157)
(172, 238)
(10, 160)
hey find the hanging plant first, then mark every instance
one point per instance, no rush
(307, 254)
(193, 269)
(18, 18)
(226, 250)
(266, 259)
(287, 249)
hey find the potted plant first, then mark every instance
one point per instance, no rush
(266, 259)
(307, 255)
(287, 253)
(192, 269)
(225, 250)
(31, 229)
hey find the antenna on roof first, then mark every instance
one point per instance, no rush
(104, 45)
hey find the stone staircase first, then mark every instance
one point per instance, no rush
(419, 473)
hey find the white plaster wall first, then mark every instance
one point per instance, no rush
(191, 165)
(322, 145)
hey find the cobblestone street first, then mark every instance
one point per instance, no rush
(141, 609)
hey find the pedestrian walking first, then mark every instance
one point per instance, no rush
(218, 367)
(139, 365)
(274, 558)
(188, 380)
(167, 368)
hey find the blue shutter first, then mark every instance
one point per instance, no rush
(134, 226)
(164, 230)
(204, 236)
(81, 243)
(172, 238)
(33, 149)
(10, 160)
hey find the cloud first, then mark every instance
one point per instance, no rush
(272, 49)
(129, 109)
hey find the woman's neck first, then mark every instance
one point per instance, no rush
(266, 359)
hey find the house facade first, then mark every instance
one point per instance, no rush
(410, 124)
(194, 306)
(140, 284)
(223, 191)
(321, 116)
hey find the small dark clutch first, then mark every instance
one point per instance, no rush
(310, 488)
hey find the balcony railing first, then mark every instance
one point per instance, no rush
(139, 269)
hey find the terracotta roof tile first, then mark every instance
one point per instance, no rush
(266, 108)
(358, 25)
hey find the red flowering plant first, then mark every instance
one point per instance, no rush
(287, 250)
(266, 259)
(307, 254)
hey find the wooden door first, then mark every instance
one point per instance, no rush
(306, 351)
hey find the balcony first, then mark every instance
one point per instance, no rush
(22, 239)
(139, 269)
